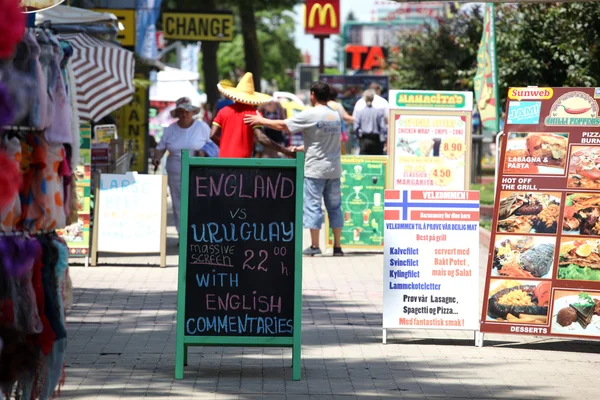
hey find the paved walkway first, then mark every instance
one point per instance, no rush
(122, 345)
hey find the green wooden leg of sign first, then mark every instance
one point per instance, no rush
(297, 346)
(182, 348)
(179, 360)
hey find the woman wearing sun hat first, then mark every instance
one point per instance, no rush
(185, 134)
(234, 137)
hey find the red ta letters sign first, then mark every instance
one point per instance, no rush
(322, 17)
(364, 57)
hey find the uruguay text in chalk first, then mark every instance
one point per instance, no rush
(239, 324)
(261, 232)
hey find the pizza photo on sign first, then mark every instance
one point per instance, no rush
(582, 214)
(576, 313)
(523, 212)
(579, 259)
(523, 256)
(584, 167)
(518, 301)
(39, 5)
(536, 153)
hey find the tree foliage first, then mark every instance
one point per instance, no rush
(279, 53)
(554, 44)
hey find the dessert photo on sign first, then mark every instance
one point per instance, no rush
(518, 301)
(582, 214)
(576, 312)
(584, 167)
(536, 153)
(523, 212)
(523, 256)
(579, 259)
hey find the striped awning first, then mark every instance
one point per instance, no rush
(103, 75)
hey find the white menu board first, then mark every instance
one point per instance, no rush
(431, 270)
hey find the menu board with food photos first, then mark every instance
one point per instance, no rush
(543, 275)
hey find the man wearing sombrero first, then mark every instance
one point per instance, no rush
(234, 137)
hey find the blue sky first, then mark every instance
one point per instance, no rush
(362, 12)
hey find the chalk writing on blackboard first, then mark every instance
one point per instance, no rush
(240, 253)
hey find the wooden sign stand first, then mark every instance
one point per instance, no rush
(183, 341)
(163, 223)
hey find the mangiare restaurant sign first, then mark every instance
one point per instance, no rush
(430, 100)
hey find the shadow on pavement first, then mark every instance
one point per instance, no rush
(122, 345)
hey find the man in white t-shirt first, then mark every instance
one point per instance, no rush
(378, 101)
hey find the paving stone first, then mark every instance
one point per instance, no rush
(122, 345)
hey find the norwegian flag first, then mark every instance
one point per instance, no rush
(405, 205)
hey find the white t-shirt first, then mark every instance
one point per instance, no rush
(378, 102)
(176, 139)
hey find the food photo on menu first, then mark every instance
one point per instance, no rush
(582, 214)
(584, 167)
(536, 153)
(523, 256)
(522, 212)
(518, 301)
(579, 259)
(36, 5)
(576, 313)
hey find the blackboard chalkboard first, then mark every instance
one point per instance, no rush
(240, 252)
(240, 266)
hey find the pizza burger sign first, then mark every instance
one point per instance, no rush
(30, 6)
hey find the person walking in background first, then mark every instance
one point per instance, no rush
(273, 110)
(345, 117)
(378, 101)
(370, 127)
(322, 130)
(236, 139)
(186, 133)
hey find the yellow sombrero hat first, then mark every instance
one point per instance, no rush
(244, 91)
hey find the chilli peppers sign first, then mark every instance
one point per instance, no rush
(543, 275)
(322, 17)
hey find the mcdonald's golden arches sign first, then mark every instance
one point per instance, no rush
(322, 17)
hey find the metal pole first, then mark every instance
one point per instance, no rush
(322, 54)
(495, 61)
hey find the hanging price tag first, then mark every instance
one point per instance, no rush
(452, 148)
(441, 175)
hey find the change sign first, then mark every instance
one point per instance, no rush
(214, 27)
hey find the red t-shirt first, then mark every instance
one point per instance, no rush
(237, 138)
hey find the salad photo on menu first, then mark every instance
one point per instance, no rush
(522, 212)
(579, 259)
(536, 153)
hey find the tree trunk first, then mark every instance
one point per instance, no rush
(210, 74)
(251, 46)
(210, 68)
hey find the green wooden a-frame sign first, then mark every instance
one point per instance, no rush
(294, 341)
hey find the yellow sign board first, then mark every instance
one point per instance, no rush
(214, 27)
(127, 19)
(132, 120)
